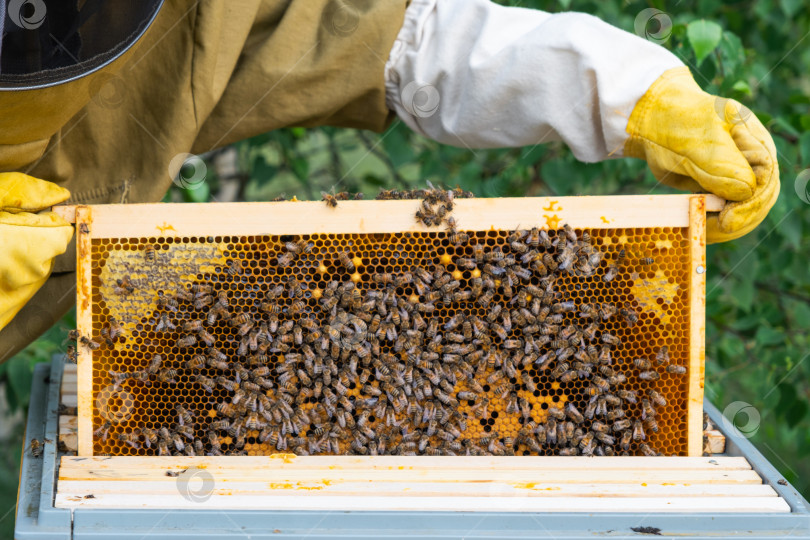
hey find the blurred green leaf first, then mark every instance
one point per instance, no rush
(300, 168)
(804, 147)
(769, 336)
(732, 53)
(744, 291)
(398, 147)
(742, 87)
(200, 193)
(791, 407)
(791, 229)
(704, 36)
(262, 171)
(19, 377)
(791, 7)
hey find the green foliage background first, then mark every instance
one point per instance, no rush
(758, 291)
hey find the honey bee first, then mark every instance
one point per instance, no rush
(123, 286)
(206, 337)
(169, 303)
(197, 361)
(456, 238)
(270, 307)
(642, 363)
(646, 261)
(606, 310)
(657, 398)
(677, 370)
(649, 375)
(203, 301)
(478, 253)
(235, 267)
(346, 261)
(202, 288)
(91, 344)
(166, 375)
(570, 234)
(627, 395)
(621, 425)
(630, 316)
(330, 200)
(600, 383)
(427, 216)
(150, 436)
(285, 259)
(648, 450)
(149, 253)
(662, 356)
(207, 383)
(71, 355)
(532, 237)
(132, 439)
(186, 342)
(647, 409)
(241, 319)
(610, 339)
(566, 258)
(36, 448)
(573, 413)
(177, 441)
(103, 431)
(615, 267)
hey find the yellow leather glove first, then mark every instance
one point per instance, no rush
(29, 240)
(695, 141)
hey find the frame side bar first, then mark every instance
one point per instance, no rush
(84, 323)
(697, 324)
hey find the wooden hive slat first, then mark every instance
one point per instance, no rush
(538, 484)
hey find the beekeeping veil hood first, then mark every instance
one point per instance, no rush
(51, 52)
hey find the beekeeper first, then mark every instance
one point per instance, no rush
(97, 100)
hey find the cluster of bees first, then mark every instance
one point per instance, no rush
(370, 370)
(436, 202)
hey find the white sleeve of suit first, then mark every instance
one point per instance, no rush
(474, 74)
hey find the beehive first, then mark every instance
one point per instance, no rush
(196, 244)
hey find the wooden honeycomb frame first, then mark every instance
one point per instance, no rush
(686, 212)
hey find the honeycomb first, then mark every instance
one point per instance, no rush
(652, 281)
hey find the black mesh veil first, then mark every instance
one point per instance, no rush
(47, 42)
